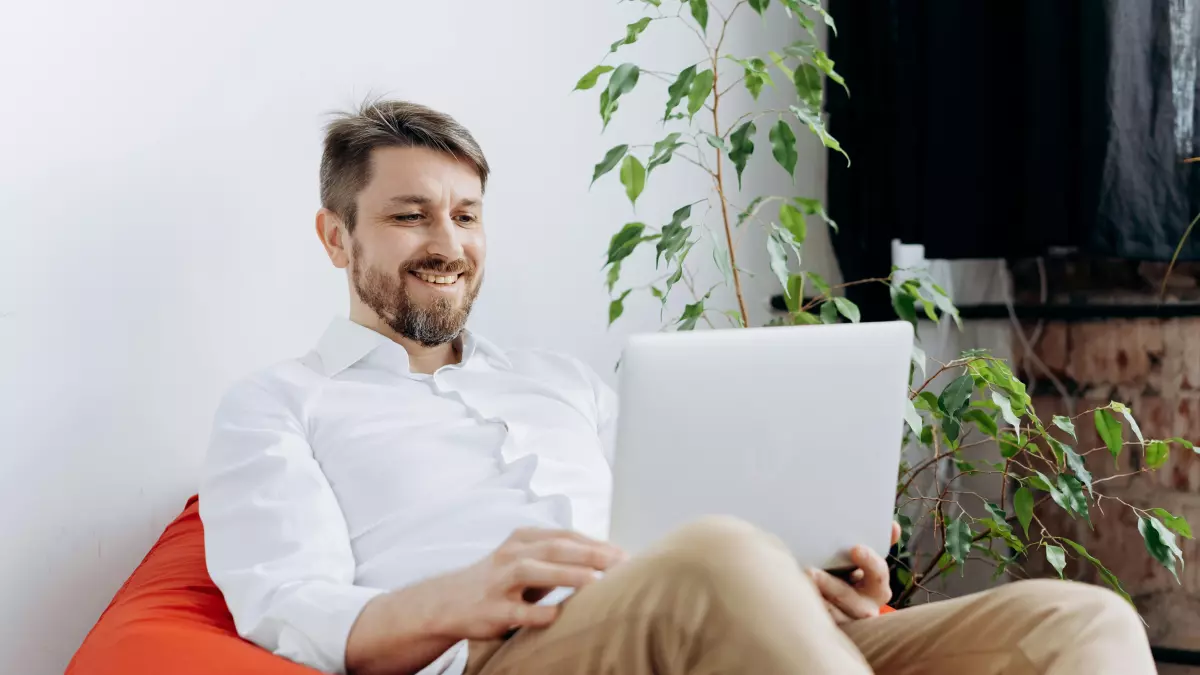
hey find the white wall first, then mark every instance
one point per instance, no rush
(158, 167)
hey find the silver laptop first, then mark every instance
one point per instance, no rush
(795, 429)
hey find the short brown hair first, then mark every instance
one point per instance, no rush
(351, 136)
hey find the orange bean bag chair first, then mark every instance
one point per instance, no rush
(170, 619)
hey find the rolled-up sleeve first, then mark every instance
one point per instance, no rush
(276, 541)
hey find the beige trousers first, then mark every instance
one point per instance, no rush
(722, 597)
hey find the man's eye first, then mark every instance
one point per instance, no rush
(467, 218)
(407, 217)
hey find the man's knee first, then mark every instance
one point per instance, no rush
(719, 537)
(1073, 600)
(723, 553)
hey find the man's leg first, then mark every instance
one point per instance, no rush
(1051, 627)
(719, 596)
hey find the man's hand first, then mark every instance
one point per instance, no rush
(405, 630)
(498, 593)
(868, 590)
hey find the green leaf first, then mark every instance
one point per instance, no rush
(681, 87)
(793, 293)
(812, 118)
(1137, 431)
(1109, 430)
(904, 306)
(777, 249)
(1177, 524)
(656, 3)
(1072, 491)
(1156, 454)
(958, 540)
(676, 275)
(716, 141)
(614, 273)
(805, 319)
(1057, 558)
(701, 87)
(742, 142)
(700, 13)
(1185, 443)
(736, 317)
(905, 529)
(911, 416)
(621, 82)
(1065, 424)
(982, 420)
(829, 314)
(623, 242)
(793, 221)
(1007, 412)
(617, 307)
(847, 309)
(750, 210)
(655, 292)
(918, 358)
(611, 158)
(1040, 482)
(632, 31)
(814, 207)
(808, 84)
(781, 65)
(1023, 506)
(591, 78)
(633, 177)
(691, 314)
(822, 61)
(720, 255)
(1109, 578)
(818, 282)
(783, 147)
(664, 150)
(1077, 466)
(1160, 542)
(1009, 445)
(674, 235)
(956, 395)
(926, 400)
(759, 6)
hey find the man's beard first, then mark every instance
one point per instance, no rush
(432, 324)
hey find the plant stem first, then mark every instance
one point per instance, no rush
(720, 178)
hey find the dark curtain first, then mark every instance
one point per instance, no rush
(1013, 128)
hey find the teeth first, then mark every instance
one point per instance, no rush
(435, 279)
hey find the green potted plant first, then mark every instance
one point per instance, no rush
(983, 403)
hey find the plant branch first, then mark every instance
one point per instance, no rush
(720, 180)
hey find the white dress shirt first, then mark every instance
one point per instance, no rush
(341, 475)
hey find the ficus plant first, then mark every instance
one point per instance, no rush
(984, 403)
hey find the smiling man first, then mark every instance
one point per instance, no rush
(408, 497)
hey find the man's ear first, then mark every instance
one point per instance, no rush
(334, 238)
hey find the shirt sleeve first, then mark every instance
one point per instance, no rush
(276, 541)
(606, 412)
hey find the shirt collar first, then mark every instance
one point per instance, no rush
(346, 343)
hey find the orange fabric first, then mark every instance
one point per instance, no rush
(169, 617)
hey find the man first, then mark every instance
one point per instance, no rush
(403, 498)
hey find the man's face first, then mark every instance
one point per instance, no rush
(417, 251)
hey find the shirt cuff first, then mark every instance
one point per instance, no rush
(319, 623)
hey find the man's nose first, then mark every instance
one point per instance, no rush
(445, 238)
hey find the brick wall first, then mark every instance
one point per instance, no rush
(1154, 367)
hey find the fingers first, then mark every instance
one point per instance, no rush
(843, 596)
(839, 617)
(530, 616)
(528, 573)
(531, 534)
(895, 532)
(592, 554)
(874, 582)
